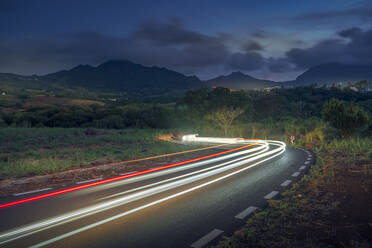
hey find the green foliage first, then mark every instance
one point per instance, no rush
(35, 151)
(353, 145)
(224, 117)
(110, 117)
(280, 113)
(347, 119)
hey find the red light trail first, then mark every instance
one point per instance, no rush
(63, 191)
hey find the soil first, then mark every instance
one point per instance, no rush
(330, 208)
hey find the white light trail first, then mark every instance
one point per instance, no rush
(259, 152)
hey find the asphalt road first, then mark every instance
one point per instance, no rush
(189, 205)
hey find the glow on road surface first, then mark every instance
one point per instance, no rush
(215, 173)
(59, 192)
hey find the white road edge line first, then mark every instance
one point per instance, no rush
(32, 191)
(271, 195)
(296, 174)
(245, 212)
(286, 183)
(90, 180)
(206, 238)
(28, 230)
(93, 225)
(303, 167)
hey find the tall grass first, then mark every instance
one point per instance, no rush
(353, 145)
(35, 151)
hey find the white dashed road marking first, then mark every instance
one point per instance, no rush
(245, 212)
(91, 180)
(307, 162)
(271, 195)
(286, 183)
(303, 167)
(30, 192)
(296, 174)
(207, 238)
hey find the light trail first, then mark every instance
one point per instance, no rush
(93, 225)
(260, 152)
(264, 149)
(59, 192)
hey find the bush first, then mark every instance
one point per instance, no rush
(347, 119)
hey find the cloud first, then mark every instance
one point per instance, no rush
(261, 34)
(252, 45)
(248, 61)
(168, 43)
(347, 33)
(363, 12)
(353, 46)
(163, 43)
(29, 55)
(280, 65)
(358, 11)
(171, 32)
(175, 45)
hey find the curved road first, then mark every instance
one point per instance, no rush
(191, 204)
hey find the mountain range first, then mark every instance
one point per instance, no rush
(241, 81)
(333, 73)
(122, 75)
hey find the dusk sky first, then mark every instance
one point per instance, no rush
(268, 39)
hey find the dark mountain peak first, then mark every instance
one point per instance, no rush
(240, 75)
(239, 80)
(117, 64)
(331, 73)
(237, 74)
(82, 68)
(124, 75)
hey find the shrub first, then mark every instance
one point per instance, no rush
(347, 119)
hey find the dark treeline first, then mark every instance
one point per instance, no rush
(192, 112)
(109, 117)
(300, 102)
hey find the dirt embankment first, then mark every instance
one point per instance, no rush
(330, 208)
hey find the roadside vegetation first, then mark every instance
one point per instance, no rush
(330, 207)
(43, 134)
(37, 151)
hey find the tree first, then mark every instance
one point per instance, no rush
(224, 117)
(347, 119)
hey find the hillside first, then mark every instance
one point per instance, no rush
(333, 73)
(239, 81)
(119, 75)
